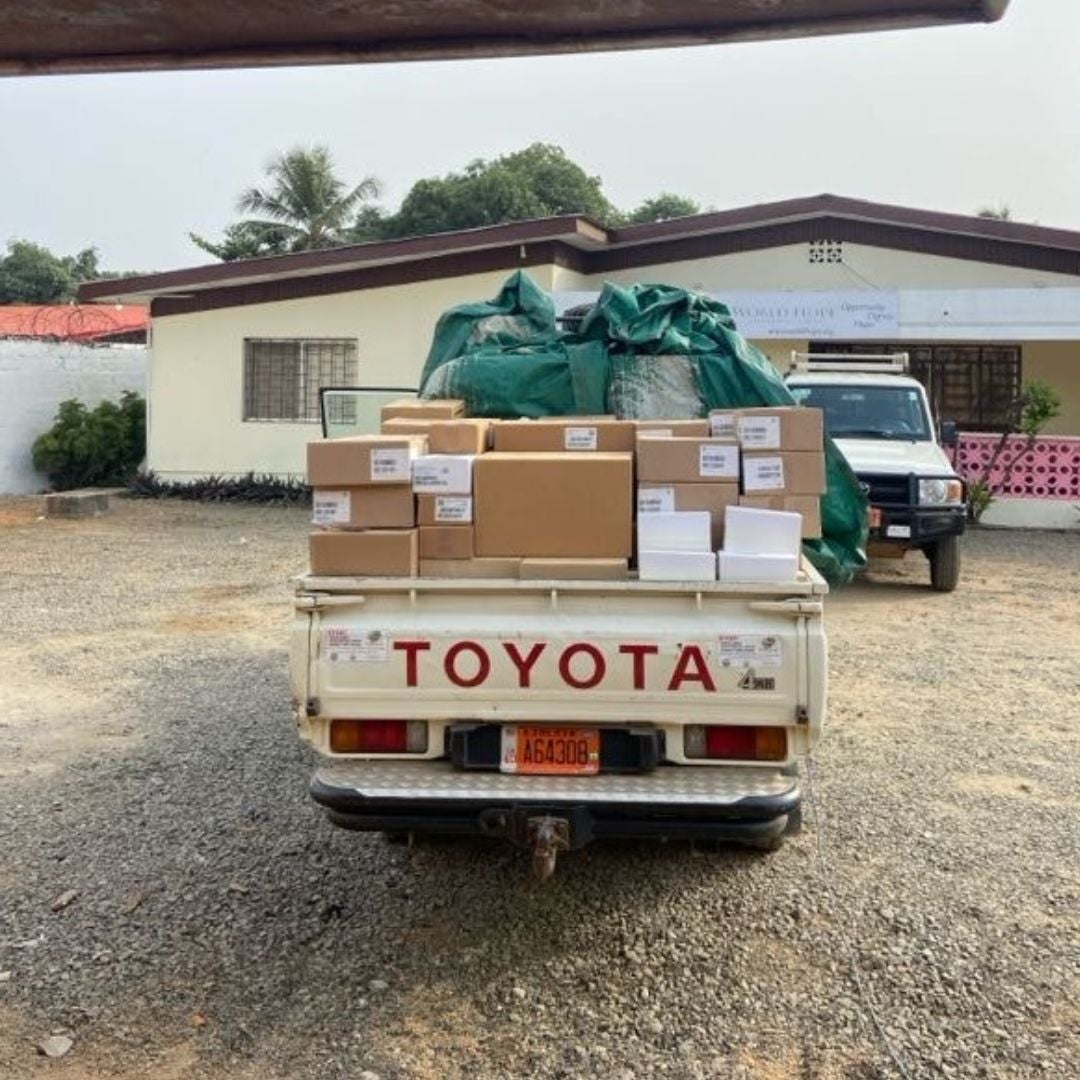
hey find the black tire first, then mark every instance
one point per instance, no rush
(945, 564)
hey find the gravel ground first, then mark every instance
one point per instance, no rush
(209, 923)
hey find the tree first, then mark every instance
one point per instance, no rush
(995, 213)
(663, 207)
(539, 181)
(31, 274)
(305, 205)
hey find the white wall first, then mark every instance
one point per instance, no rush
(35, 376)
(196, 375)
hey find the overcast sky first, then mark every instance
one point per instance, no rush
(945, 119)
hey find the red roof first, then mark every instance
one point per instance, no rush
(72, 322)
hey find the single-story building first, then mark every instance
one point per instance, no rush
(239, 350)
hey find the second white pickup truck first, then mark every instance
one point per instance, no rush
(550, 713)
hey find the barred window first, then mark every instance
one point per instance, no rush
(282, 376)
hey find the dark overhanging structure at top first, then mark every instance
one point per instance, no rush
(86, 36)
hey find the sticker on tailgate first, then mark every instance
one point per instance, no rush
(344, 646)
(750, 650)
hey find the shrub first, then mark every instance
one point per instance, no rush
(232, 489)
(99, 447)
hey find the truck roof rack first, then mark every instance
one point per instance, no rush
(868, 363)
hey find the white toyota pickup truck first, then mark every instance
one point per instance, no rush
(552, 712)
(881, 422)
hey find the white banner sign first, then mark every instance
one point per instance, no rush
(814, 315)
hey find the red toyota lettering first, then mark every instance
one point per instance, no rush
(599, 666)
(639, 652)
(691, 667)
(411, 649)
(524, 664)
(483, 664)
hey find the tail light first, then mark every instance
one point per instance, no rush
(378, 736)
(735, 742)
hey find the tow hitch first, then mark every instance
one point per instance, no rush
(544, 833)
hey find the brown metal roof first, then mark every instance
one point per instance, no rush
(48, 36)
(590, 248)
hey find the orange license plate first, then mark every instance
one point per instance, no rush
(550, 751)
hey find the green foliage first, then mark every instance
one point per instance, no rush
(1039, 404)
(99, 447)
(234, 489)
(31, 274)
(539, 181)
(995, 213)
(980, 496)
(305, 205)
(663, 207)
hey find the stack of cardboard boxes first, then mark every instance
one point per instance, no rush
(438, 494)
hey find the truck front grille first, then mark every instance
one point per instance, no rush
(887, 489)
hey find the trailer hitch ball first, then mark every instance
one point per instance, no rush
(547, 837)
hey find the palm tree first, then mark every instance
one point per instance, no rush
(305, 202)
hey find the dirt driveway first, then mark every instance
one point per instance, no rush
(208, 923)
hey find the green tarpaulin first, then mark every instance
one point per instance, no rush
(643, 351)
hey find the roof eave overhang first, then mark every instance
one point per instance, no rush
(52, 39)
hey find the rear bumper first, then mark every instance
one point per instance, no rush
(717, 803)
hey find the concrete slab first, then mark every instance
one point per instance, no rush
(83, 503)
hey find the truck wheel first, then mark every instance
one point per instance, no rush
(945, 564)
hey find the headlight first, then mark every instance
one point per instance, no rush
(940, 492)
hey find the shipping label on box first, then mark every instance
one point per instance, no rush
(579, 438)
(389, 465)
(722, 425)
(656, 500)
(449, 474)
(330, 508)
(452, 510)
(760, 432)
(763, 473)
(668, 429)
(717, 461)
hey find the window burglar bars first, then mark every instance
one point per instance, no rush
(282, 376)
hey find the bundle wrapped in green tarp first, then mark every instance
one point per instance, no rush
(643, 351)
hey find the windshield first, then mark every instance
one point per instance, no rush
(868, 412)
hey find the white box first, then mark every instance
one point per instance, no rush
(733, 566)
(442, 474)
(680, 530)
(749, 531)
(676, 565)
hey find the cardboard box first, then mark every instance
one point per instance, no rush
(569, 433)
(444, 509)
(690, 530)
(372, 553)
(676, 566)
(362, 460)
(446, 541)
(388, 506)
(424, 408)
(809, 506)
(687, 460)
(547, 505)
(715, 498)
(443, 474)
(749, 531)
(458, 436)
(783, 472)
(669, 429)
(574, 569)
(787, 428)
(403, 425)
(469, 568)
(735, 567)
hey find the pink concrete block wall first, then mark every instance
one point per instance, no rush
(1051, 470)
